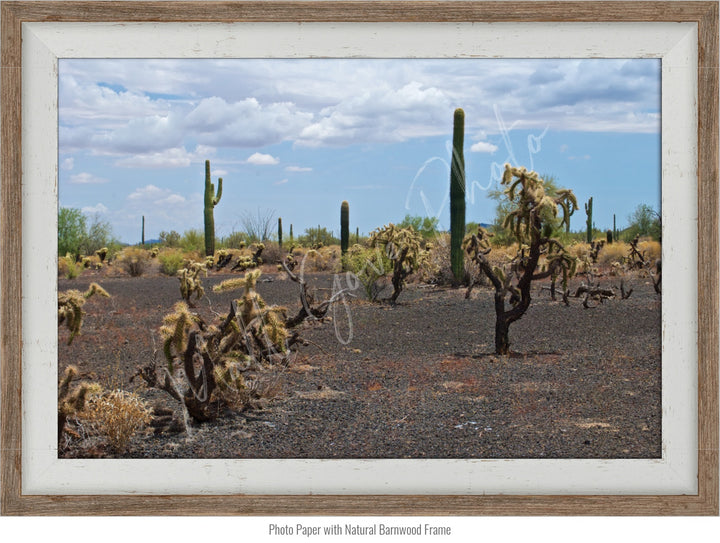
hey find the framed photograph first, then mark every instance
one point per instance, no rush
(376, 306)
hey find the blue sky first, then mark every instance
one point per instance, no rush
(298, 137)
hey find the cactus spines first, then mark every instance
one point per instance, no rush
(457, 196)
(211, 200)
(344, 227)
(589, 223)
(280, 232)
(70, 303)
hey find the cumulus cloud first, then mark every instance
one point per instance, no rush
(87, 179)
(176, 157)
(97, 208)
(146, 111)
(260, 159)
(67, 164)
(483, 147)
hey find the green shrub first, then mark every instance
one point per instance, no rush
(369, 266)
(171, 260)
(193, 240)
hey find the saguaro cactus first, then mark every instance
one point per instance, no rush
(589, 223)
(142, 238)
(344, 227)
(211, 201)
(291, 233)
(457, 197)
(280, 232)
(615, 232)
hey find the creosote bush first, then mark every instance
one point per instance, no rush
(171, 261)
(117, 415)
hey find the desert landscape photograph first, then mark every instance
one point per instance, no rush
(359, 258)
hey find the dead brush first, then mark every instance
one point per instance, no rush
(134, 261)
(117, 416)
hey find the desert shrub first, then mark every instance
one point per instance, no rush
(134, 261)
(436, 269)
(169, 239)
(271, 254)
(68, 267)
(612, 253)
(234, 240)
(171, 260)
(193, 240)
(318, 260)
(117, 415)
(369, 266)
(651, 250)
(317, 237)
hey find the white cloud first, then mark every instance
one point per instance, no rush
(67, 164)
(97, 208)
(149, 192)
(260, 159)
(111, 107)
(218, 173)
(177, 157)
(281, 182)
(87, 179)
(483, 147)
(297, 169)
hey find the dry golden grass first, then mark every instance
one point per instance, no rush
(652, 250)
(614, 252)
(116, 415)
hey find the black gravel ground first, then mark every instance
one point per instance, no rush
(417, 380)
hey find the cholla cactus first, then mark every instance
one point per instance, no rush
(403, 248)
(251, 333)
(72, 403)
(174, 331)
(102, 253)
(190, 282)
(70, 305)
(531, 220)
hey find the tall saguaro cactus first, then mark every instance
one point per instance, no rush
(211, 200)
(457, 196)
(344, 227)
(280, 232)
(615, 231)
(589, 223)
(142, 239)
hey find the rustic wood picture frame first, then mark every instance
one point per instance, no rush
(15, 502)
